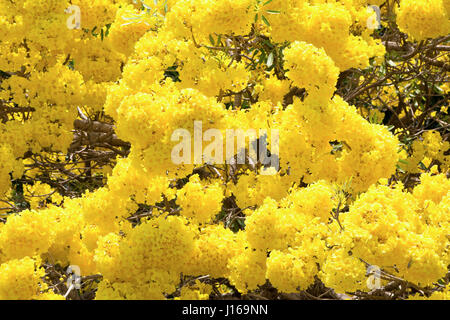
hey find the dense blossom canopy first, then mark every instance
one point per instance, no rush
(86, 122)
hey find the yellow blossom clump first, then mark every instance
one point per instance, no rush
(252, 189)
(144, 290)
(344, 272)
(159, 243)
(98, 12)
(201, 203)
(270, 227)
(28, 234)
(289, 272)
(311, 68)
(423, 19)
(195, 291)
(129, 26)
(316, 200)
(213, 247)
(158, 249)
(436, 295)
(38, 194)
(274, 89)
(205, 18)
(20, 279)
(50, 295)
(5, 167)
(432, 188)
(248, 269)
(428, 147)
(392, 230)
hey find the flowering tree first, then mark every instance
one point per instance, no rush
(91, 93)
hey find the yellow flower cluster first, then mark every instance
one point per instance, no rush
(20, 279)
(28, 234)
(147, 261)
(293, 233)
(214, 246)
(326, 24)
(201, 203)
(311, 68)
(129, 26)
(403, 233)
(247, 270)
(251, 189)
(427, 150)
(423, 19)
(196, 291)
(213, 17)
(437, 295)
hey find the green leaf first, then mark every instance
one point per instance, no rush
(265, 21)
(130, 18)
(422, 166)
(211, 39)
(270, 60)
(273, 11)
(71, 65)
(391, 63)
(374, 118)
(438, 89)
(256, 18)
(267, 43)
(262, 57)
(267, 2)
